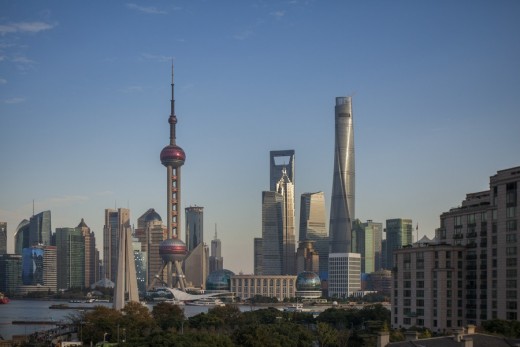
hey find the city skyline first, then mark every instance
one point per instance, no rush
(435, 88)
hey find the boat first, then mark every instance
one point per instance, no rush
(3, 299)
(298, 307)
(205, 302)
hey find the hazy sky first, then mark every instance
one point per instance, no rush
(85, 89)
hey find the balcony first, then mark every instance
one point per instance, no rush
(483, 244)
(483, 233)
(471, 234)
(458, 236)
(471, 245)
(471, 267)
(483, 256)
(471, 257)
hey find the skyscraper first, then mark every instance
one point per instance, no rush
(11, 270)
(3, 238)
(342, 208)
(150, 233)
(313, 228)
(366, 240)
(285, 188)
(21, 237)
(40, 229)
(216, 262)
(280, 160)
(173, 250)
(70, 251)
(272, 219)
(91, 254)
(115, 221)
(194, 226)
(258, 256)
(398, 234)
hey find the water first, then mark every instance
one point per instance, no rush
(36, 310)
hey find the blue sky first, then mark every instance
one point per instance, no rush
(85, 88)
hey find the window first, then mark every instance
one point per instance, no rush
(511, 261)
(511, 238)
(511, 225)
(511, 273)
(510, 283)
(511, 212)
(511, 250)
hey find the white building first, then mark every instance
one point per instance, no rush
(344, 274)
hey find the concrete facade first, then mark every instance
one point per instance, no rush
(247, 286)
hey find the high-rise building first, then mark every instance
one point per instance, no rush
(366, 240)
(3, 238)
(280, 160)
(141, 265)
(21, 237)
(398, 234)
(40, 229)
(344, 274)
(216, 262)
(150, 233)
(91, 254)
(313, 228)
(11, 270)
(258, 256)
(70, 249)
(285, 188)
(342, 208)
(39, 268)
(469, 272)
(307, 259)
(272, 246)
(173, 250)
(115, 221)
(194, 226)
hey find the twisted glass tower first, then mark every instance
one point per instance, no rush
(342, 211)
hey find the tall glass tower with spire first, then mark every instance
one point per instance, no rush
(342, 207)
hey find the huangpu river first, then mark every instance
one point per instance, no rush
(38, 310)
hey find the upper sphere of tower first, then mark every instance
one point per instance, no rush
(173, 155)
(172, 119)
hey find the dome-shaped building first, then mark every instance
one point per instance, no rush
(219, 280)
(308, 285)
(152, 216)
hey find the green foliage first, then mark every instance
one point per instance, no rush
(508, 328)
(168, 316)
(326, 335)
(99, 321)
(259, 299)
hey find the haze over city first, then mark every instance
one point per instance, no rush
(85, 89)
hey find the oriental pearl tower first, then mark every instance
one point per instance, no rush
(173, 250)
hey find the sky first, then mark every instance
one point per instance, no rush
(85, 99)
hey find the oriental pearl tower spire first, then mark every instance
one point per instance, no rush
(173, 250)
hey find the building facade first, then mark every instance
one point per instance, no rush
(91, 254)
(116, 220)
(196, 266)
(307, 259)
(11, 270)
(258, 256)
(248, 286)
(3, 238)
(398, 234)
(342, 208)
(344, 274)
(272, 230)
(194, 226)
(40, 231)
(366, 240)
(216, 261)
(39, 269)
(70, 249)
(313, 227)
(475, 260)
(280, 160)
(21, 237)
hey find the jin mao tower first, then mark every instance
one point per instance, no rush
(342, 209)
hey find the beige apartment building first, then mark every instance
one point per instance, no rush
(481, 237)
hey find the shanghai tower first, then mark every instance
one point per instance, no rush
(342, 209)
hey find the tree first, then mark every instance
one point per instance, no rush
(327, 336)
(136, 320)
(100, 321)
(168, 316)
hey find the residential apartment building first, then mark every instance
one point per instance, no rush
(481, 238)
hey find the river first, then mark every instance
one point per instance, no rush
(38, 310)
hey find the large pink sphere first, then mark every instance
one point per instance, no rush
(172, 250)
(173, 155)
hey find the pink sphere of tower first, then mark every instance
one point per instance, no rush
(173, 155)
(172, 250)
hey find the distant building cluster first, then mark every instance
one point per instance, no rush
(469, 273)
